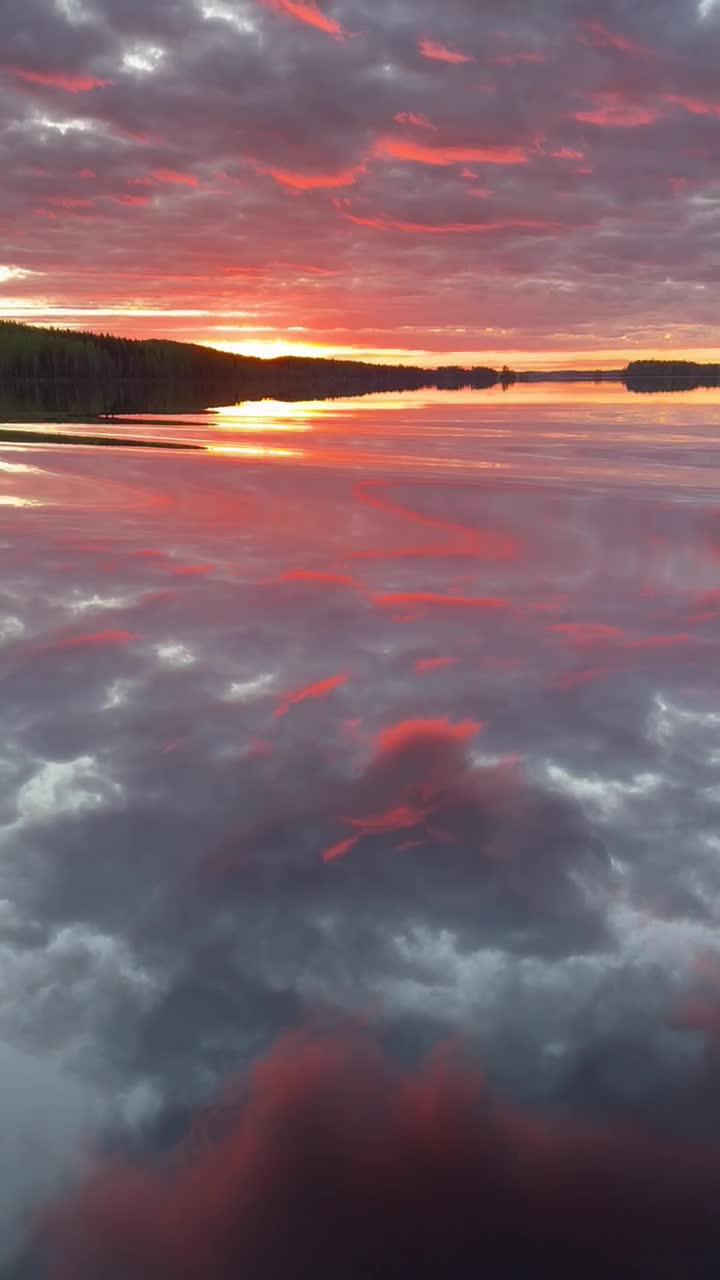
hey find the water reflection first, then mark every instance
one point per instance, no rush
(424, 731)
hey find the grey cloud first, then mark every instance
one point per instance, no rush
(278, 94)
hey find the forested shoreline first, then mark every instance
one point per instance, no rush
(670, 375)
(67, 372)
(63, 373)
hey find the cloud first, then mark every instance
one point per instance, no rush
(441, 53)
(405, 149)
(309, 14)
(47, 1111)
(395, 599)
(613, 110)
(172, 176)
(58, 80)
(696, 106)
(597, 34)
(318, 690)
(313, 109)
(408, 780)
(331, 1124)
(186, 874)
(414, 118)
(95, 640)
(433, 664)
(316, 181)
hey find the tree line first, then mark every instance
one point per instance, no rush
(94, 372)
(647, 376)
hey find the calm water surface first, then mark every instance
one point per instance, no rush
(404, 709)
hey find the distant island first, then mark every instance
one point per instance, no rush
(670, 375)
(62, 373)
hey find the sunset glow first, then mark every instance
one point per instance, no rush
(403, 185)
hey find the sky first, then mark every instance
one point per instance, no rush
(406, 181)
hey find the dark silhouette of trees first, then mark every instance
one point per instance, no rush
(63, 371)
(645, 376)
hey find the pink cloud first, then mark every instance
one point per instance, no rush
(598, 35)
(132, 200)
(340, 849)
(309, 14)
(586, 633)
(657, 642)
(173, 176)
(407, 733)
(612, 110)
(96, 640)
(319, 690)
(441, 52)
(383, 223)
(433, 664)
(399, 599)
(415, 118)
(399, 148)
(69, 202)
(70, 83)
(414, 766)
(696, 106)
(315, 181)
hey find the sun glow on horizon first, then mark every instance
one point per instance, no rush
(605, 358)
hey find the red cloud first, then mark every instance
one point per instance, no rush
(408, 733)
(58, 79)
(328, 1160)
(95, 640)
(592, 633)
(413, 774)
(408, 149)
(312, 575)
(433, 664)
(309, 14)
(415, 118)
(696, 106)
(600, 37)
(395, 599)
(614, 111)
(315, 181)
(383, 223)
(473, 541)
(586, 633)
(658, 642)
(441, 53)
(319, 690)
(339, 850)
(69, 202)
(173, 176)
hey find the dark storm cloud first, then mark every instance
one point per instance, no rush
(291, 137)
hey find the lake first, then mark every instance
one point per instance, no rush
(395, 718)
